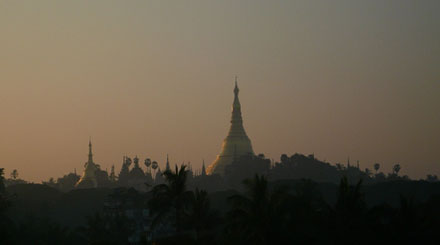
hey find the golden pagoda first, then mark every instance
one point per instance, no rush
(88, 178)
(236, 144)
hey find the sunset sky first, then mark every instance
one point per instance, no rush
(358, 79)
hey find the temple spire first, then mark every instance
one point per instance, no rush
(236, 100)
(90, 151)
(236, 129)
(168, 164)
(203, 168)
(236, 143)
(236, 90)
(88, 178)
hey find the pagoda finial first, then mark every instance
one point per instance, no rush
(236, 90)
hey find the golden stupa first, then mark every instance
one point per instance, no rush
(88, 178)
(236, 144)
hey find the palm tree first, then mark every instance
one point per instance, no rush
(170, 199)
(258, 217)
(350, 200)
(14, 174)
(396, 169)
(376, 167)
(347, 216)
(200, 217)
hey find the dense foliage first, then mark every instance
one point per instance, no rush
(282, 212)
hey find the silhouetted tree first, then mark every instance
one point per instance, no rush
(2, 184)
(350, 198)
(284, 158)
(304, 212)
(14, 174)
(170, 199)
(299, 166)
(409, 225)
(107, 229)
(200, 217)
(431, 178)
(4, 199)
(7, 227)
(259, 216)
(33, 230)
(396, 169)
(347, 216)
(67, 182)
(376, 167)
(51, 182)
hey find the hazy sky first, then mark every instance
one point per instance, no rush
(334, 78)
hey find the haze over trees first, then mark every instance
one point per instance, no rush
(296, 166)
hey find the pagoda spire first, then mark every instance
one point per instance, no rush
(236, 143)
(88, 178)
(90, 160)
(203, 168)
(236, 120)
(168, 164)
(236, 90)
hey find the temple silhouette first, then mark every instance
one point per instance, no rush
(88, 178)
(236, 144)
(236, 148)
(236, 162)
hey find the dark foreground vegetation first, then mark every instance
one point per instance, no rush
(281, 212)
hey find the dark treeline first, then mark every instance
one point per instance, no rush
(296, 166)
(280, 212)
